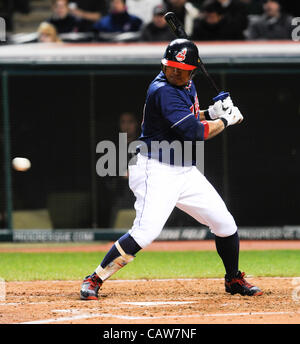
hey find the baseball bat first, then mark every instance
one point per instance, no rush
(178, 29)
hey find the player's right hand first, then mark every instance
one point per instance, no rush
(227, 103)
(219, 108)
(233, 116)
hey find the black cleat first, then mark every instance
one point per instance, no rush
(90, 287)
(238, 285)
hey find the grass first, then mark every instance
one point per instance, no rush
(189, 264)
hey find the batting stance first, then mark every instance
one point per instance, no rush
(172, 114)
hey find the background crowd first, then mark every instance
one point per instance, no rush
(143, 20)
(137, 21)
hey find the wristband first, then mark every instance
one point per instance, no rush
(206, 115)
(224, 120)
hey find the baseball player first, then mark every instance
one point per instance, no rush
(172, 113)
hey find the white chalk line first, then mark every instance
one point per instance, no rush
(22, 303)
(157, 303)
(125, 317)
(146, 303)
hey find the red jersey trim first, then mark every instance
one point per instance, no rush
(206, 129)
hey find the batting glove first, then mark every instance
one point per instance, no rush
(232, 116)
(219, 108)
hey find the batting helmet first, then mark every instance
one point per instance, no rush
(181, 53)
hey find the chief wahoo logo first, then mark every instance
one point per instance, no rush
(181, 55)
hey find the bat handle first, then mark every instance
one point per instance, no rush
(221, 96)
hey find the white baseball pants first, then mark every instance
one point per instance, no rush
(159, 187)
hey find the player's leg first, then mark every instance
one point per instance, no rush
(156, 191)
(156, 187)
(121, 253)
(200, 200)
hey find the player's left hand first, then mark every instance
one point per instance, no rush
(219, 108)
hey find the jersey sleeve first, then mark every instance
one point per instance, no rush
(179, 116)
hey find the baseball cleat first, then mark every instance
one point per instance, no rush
(238, 285)
(90, 287)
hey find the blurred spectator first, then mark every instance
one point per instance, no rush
(142, 8)
(158, 30)
(62, 19)
(236, 15)
(121, 197)
(47, 33)
(215, 25)
(128, 123)
(272, 24)
(185, 11)
(88, 12)
(118, 19)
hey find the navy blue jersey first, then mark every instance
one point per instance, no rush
(171, 114)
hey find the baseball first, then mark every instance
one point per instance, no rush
(21, 164)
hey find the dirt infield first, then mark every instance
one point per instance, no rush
(199, 301)
(189, 301)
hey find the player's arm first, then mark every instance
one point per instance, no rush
(232, 116)
(202, 115)
(215, 128)
(179, 116)
(184, 123)
(218, 118)
(191, 129)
